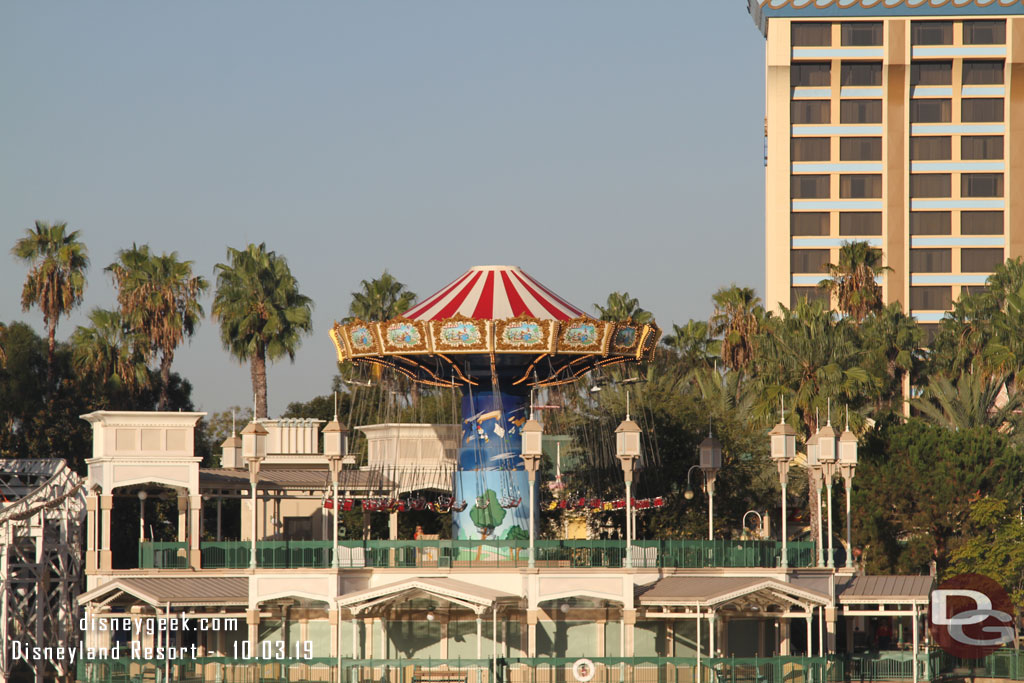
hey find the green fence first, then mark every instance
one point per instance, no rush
(163, 555)
(316, 670)
(441, 554)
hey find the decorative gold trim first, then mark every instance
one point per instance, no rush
(400, 348)
(544, 343)
(630, 334)
(481, 345)
(336, 334)
(362, 349)
(568, 342)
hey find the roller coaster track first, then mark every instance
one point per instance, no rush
(42, 515)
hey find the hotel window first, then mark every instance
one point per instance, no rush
(985, 32)
(981, 185)
(931, 33)
(860, 111)
(929, 332)
(983, 73)
(811, 34)
(856, 223)
(931, 111)
(930, 223)
(862, 33)
(809, 224)
(811, 75)
(931, 260)
(982, 110)
(810, 294)
(980, 260)
(811, 149)
(860, 186)
(931, 73)
(972, 290)
(931, 298)
(811, 111)
(930, 185)
(860, 149)
(981, 222)
(808, 260)
(861, 74)
(931, 148)
(810, 187)
(981, 147)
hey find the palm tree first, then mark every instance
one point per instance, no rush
(262, 314)
(56, 278)
(853, 280)
(382, 298)
(159, 298)
(109, 350)
(3, 354)
(694, 344)
(971, 401)
(620, 307)
(892, 346)
(737, 319)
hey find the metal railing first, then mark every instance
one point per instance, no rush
(440, 554)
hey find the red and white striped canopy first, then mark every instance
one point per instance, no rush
(494, 292)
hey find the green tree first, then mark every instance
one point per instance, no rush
(696, 347)
(891, 342)
(56, 278)
(382, 298)
(159, 298)
(853, 280)
(490, 516)
(737, 319)
(993, 545)
(110, 351)
(620, 307)
(915, 486)
(970, 401)
(262, 314)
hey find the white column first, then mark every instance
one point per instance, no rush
(916, 643)
(831, 552)
(336, 560)
(849, 538)
(711, 633)
(629, 508)
(252, 529)
(698, 644)
(479, 636)
(220, 502)
(810, 634)
(785, 534)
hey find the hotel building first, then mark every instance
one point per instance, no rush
(894, 123)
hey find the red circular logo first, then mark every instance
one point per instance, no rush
(970, 616)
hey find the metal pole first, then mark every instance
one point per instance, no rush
(785, 553)
(849, 543)
(252, 552)
(629, 509)
(817, 502)
(336, 560)
(531, 562)
(711, 508)
(831, 554)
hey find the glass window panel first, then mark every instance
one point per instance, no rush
(811, 294)
(860, 186)
(855, 223)
(929, 330)
(860, 149)
(931, 148)
(862, 33)
(811, 34)
(931, 298)
(972, 290)
(931, 73)
(982, 109)
(931, 260)
(981, 222)
(980, 260)
(985, 32)
(981, 147)
(930, 185)
(811, 75)
(860, 111)
(809, 224)
(931, 111)
(811, 149)
(983, 72)
(808, 260)
(930, 223)
(981, 185)
(931, 33)
(811, 111)
(810, 187)
(860, 74)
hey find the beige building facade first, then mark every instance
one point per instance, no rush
(899, 124)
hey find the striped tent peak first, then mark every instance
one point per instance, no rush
(497, 293)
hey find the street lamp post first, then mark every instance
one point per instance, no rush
(814, 467)
(760, 521)
(142, 516)
(627, 450)
(783, 440)
(847, 467)
(827, 462)
(710, 463)
(533, 435)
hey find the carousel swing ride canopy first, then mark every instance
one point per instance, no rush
(496, 333)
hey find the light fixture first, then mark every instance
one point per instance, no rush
(430, 615)
(564, 608)
(143, 495)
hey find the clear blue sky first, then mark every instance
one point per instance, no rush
(599, 145)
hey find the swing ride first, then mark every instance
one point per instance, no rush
(496, 334)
